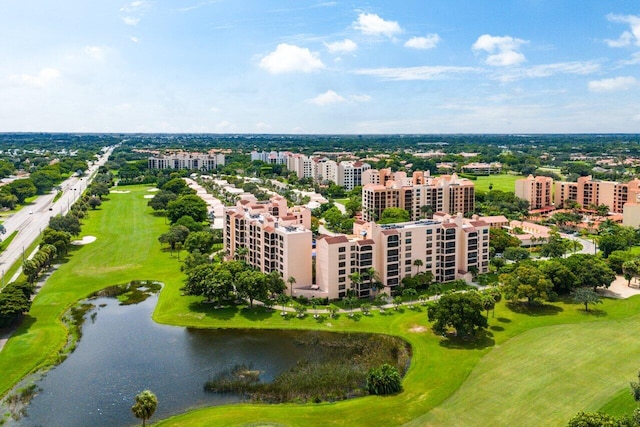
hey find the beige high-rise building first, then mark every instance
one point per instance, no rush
(275, 237)
(446, 193)
(187, 160)
(449, 247)
(535, 190)
(588, 191)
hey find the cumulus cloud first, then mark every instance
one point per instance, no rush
(428, 42)
(130, 20)
(328, 98)
(289, 58)
(43, 78)
(627, 37)
(135, 39)
(371, 24)
(613, 84)
(344, 46)
(417, 73)
(503, 51)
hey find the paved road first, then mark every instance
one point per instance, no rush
(32, 219)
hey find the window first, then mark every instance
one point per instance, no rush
(343, 271)
(342, 249)
(341, 265)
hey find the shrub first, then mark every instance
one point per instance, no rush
(384, 380)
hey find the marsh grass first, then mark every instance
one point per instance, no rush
(337, 371)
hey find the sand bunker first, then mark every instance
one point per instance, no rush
(149, 196)
(85, 240)
(120, 191)
(153, 189)
(418, 329)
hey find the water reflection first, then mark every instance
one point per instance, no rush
(124, 352)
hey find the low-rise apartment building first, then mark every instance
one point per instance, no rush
(187, 160)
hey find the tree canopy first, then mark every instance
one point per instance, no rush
(461, 311)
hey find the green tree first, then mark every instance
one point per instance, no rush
(384, 380)
(190, 223)
(189, 205)
(161, 199)
(175, 236)
(418, 263)
(94, 202)
(291, 281)
(515, 253)
(560, 275)
(410, 294)
(98, 189)
(13, 302)
(590, 270)
(526, 281)
(351, 302)
(394, 215)
(555, 246)
(175, 186)
(631, 270)
(22, 189)
(461, 311)
(586, 296)
(595, 419)
(60, 239)
(199, 240)
(67, 223)
(251, 284)
(500, 239)
(145, 405)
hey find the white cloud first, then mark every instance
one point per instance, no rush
(371, 24)
(428, 42)
(95, 52)
(44, 77)
(417, 73)
(635, 59)
(344, 46)
(360, 98)
(214, 109)
(626, 38)
(548, 70)
(262, 126)
(135, 39)
(613, 84)
(327, 98)
(503, 51)
(135, 6)
(290, 58)
(130, 20)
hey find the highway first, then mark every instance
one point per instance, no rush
(33, 218)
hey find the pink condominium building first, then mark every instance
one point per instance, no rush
(535, 190)
(275, 237)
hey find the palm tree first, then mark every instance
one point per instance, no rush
(283, 300)
(410, 293)
(291, 281)
(372, 274)
(241, 253)
(356, 281)
(418, 263)
(351, 301)
(145, 406)
(315, 302)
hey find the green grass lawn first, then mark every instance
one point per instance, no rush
(503, 182)
(535, 367)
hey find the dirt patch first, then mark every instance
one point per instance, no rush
(85, 240)
(417, 329)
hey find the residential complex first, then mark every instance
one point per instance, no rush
(187, 160)
(482, 168)
(449, 247)
(271, 157)
(273, 237)
(588, 191)
(535, 190)
(419, 194)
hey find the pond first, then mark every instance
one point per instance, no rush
(123, 351)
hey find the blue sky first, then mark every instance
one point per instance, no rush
(259, 66)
